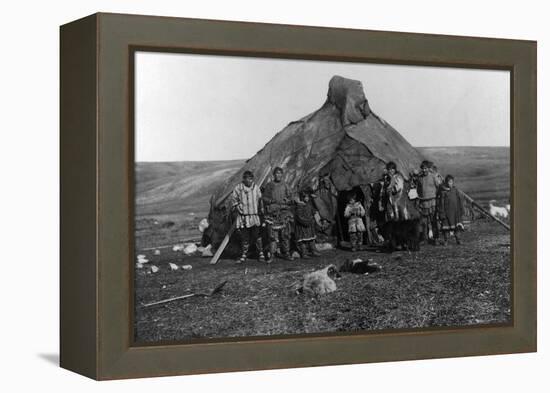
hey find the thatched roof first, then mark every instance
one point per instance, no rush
(343, 138)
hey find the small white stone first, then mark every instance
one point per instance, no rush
(157, 252)
(173, 266)
(190, 248)
(207, 252)
(324, 246)
(186, 267)
(154, 269)
(203, 224)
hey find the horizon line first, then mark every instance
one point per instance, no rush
(245, 159)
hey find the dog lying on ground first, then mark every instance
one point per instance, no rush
(319, 282)
(358, 266)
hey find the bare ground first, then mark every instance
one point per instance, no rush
(456, 285)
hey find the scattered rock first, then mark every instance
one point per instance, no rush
(142, 259)
(190, 249)
(173, 266)
(154, 269)
(203, 224)
(177, 247)
(157, 252)
(207, 251)
(139, 265)
(186, 267)
(324, 246)
(296, 255)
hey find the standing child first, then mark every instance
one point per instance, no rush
(246, 201)
(355, 212)
(305, 226)
(450, 209)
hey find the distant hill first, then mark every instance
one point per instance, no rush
(481, 172)
(172, 188)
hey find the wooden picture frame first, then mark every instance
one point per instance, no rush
(97, 192)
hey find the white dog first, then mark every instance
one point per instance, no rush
(319, 282)
(497, 211)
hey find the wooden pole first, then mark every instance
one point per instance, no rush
(216, 289)
(189, 240)
(483, 211)
(339, 228)
(169, 300)
(222, 246)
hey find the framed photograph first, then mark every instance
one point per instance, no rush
(242, 196)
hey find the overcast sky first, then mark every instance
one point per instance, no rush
(198, 107)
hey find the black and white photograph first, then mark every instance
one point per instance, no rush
(275, 196)
(284, 197)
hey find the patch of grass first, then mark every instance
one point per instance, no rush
(483, 172)
(438, 286)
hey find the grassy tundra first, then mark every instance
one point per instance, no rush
(177, 194)
(436, 287)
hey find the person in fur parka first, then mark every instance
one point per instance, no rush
(304, 220)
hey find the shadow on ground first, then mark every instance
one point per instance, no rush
(52, 358)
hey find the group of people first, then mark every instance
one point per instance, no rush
(273, 213)
(440, 203)
(436, 198)
(270, 214)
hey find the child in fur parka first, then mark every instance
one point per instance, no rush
(355, 212)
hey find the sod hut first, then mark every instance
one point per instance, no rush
(343, 140)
